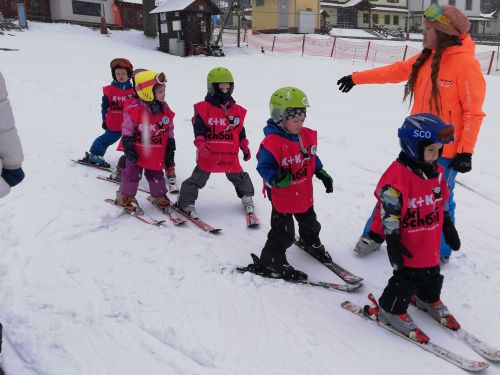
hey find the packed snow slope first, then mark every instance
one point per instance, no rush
(87, 290)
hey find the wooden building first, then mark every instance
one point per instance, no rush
(35, 9)
(185, 26)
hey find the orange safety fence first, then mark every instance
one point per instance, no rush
(347, 50)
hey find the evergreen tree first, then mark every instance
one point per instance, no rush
(149, 20)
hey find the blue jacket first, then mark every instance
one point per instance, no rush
(267, 166)
(105, 101)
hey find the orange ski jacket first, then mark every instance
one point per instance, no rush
(461, 86)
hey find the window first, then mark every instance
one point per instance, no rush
(468, 4)
(86, 9)
(366, 18)
(259, 3)
(393, 1)
(395, 20)
(451, 2)
(375, 18)
(387, 20)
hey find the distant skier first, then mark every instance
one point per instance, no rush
(147, 140)
(219, 131)
(445, 79)
(11, 151)
(287, 161)
(411, 214)
(113, 100)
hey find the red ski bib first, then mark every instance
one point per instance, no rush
(117, 98)
(151, 135)
(422, 213)
(298, 196)
(223, 137)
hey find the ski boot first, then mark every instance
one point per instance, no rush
(367, 244)
(401, 323)
(163, 203)
(278, 263)
(190, 210)
(318, 249)
(96, 160)
(247, 204)
(439, 312)
(129, 203)
(443, 260)
(172, 185)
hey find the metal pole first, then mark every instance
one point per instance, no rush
(239, 26)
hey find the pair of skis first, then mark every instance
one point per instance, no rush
(251, 218)
(352, 282)
(140, 215)
(472, 341)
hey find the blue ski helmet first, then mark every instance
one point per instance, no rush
(421, 130)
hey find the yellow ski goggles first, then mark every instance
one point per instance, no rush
(434, 13)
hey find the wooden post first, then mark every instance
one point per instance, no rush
(491, 62)
(333, 47)
(274, 40)
(368, 50)
(405, 52)
(303, 44)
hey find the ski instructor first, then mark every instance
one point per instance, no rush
(11, 152)
(445, 79)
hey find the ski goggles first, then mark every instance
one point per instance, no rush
(291, 113)
(444, 135)
(120, 63)
(159, 79)
(434, 13)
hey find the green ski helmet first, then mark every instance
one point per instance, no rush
(219, 75)
(286, 98)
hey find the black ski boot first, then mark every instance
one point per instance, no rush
(317, 250)
(277, 263)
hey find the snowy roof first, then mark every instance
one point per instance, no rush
(172, 5)
(349, 4)
(488, 15)
(389, 9)
(133, 1)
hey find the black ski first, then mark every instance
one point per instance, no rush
(102, 168)
(257, 269)
(337, 269)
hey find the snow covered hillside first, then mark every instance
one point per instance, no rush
(85, 289)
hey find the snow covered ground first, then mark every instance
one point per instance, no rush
(87, 290)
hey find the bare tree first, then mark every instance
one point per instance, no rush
(149, 20)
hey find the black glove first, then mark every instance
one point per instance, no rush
(128, 147)
(462, 162)
(396, 250)
(346, 83)
(104, 126)
(450, 233)
(13, 176)
(326, 179)
(170, 153)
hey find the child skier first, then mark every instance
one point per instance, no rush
(112, 104)
(219, 132)
(412, 213)
(148, 141)
(287, 161)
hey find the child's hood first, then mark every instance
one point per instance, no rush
(124, 86)
(272, 128)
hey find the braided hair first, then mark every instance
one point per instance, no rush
(444, 41)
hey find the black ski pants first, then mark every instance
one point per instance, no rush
(282, 232)
(426, 283)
